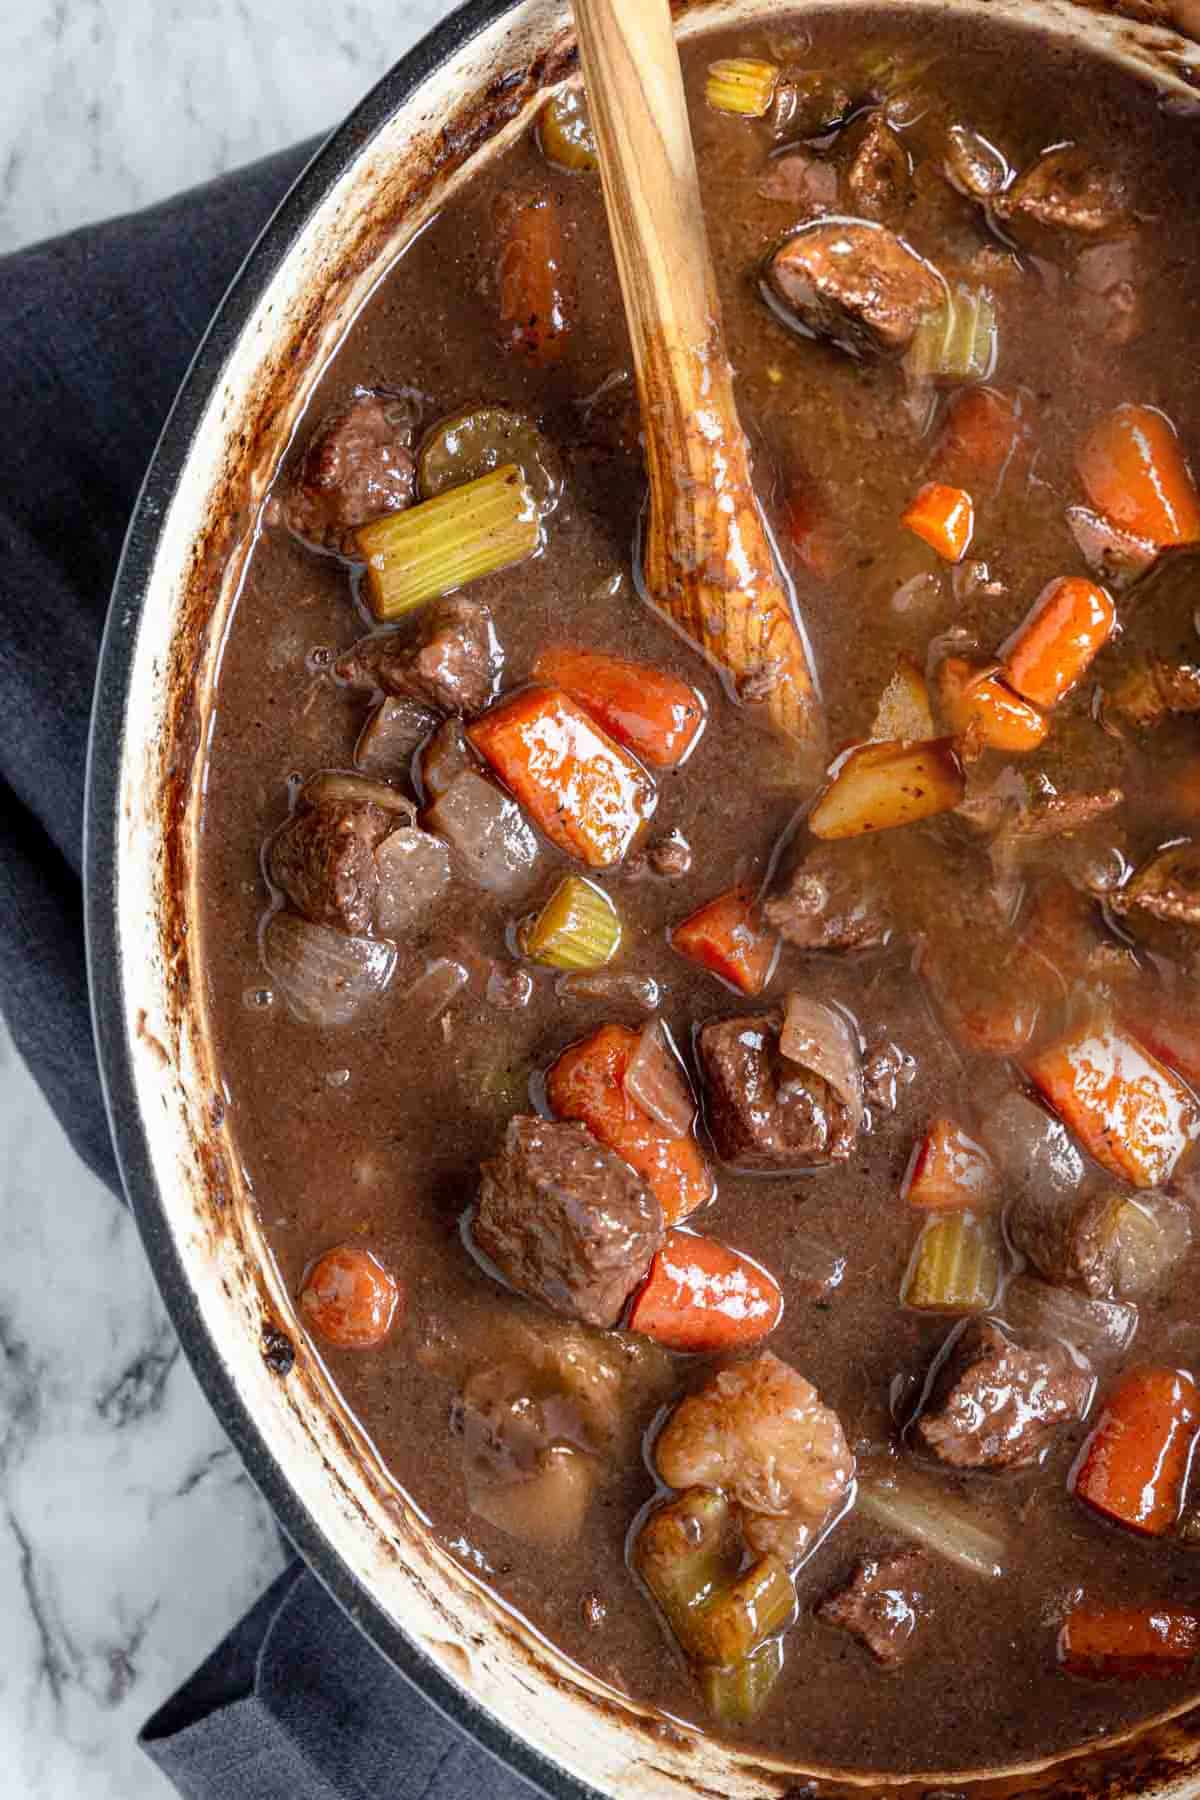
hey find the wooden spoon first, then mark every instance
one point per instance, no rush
(708, 563)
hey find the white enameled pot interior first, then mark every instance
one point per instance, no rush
(298, 1429)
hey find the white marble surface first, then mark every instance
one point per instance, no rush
(130, 1539)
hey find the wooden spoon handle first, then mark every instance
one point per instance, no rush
(709, 564)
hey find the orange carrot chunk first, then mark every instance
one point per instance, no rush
(1124, 1643)
(658, 716)
(944, 517)
(982, 431)
(725, 936)
(1133, 469)
(977, 705)
(1070, 621)
(587, 1083)
(1134, 1464)
(1126, 1108)
(350, 1298)
(586, 793)
(702, 1296)
(949, 1170)
(537, 300)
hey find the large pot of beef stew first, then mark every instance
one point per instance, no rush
(704, 1258)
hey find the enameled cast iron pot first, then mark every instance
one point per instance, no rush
(468, 87)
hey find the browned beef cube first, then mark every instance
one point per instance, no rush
(855, 283)
(357, 468)
(879, 175)
(881, 1604)
(1064, 193)
(453, 664)
(763, 1111)
(1167, 889)
(350, 856)
(323, 859)
(1148, 689)
(833, 899)
(565, 1220)
(993, 1405)
(1068, 1239)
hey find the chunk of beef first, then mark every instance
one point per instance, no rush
(992, 1404)
(1148, 690)
(1166, 888)
(454, 664)
(878, 176)
(324, 857)
(809, 103)
(669, 857)
(763, 1111)
(855, 283)
(1069, 1238)
(887, 1067)
(565, 1220)
(445, 757)
(391, 737)
(760, 1432)
(833, 899)
(357, 467)
(881, 1604)
(1064, 193)
(804, 182)
(1048, 814)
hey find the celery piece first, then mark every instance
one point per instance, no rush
(956, 1264)
(735, 1621)
(738, 1694)
(683, 1551)
(578, 928)
(565, 132)
(741, 85)
(908, 1502)
(956, 342)
(442, 543)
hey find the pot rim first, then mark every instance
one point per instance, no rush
(334, 157)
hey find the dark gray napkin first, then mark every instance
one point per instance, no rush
(96, 332)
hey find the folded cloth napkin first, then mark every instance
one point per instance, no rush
(96, 332)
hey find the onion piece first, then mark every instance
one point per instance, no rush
(326, 976)
(432, 992)
(903, 1500)
(657, 1082)
(1031, 1148)
(817, 1037)
(641, 991)
(333, 786)
(1093, 1326)
(1154, 1233)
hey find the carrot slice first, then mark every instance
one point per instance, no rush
(587, 1083)
(584, 791)
(702, 1296)
(1134, 1463)
(656, 714)
(944, 517)
(982, 431)
(1133, 469)
(1170, 1027)
(977, 705)
(949, 1170)
(1126, 1108)
(350, 1298)
(725, 936)
(1123, 1643)
(537, 301)
(1070, 621)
